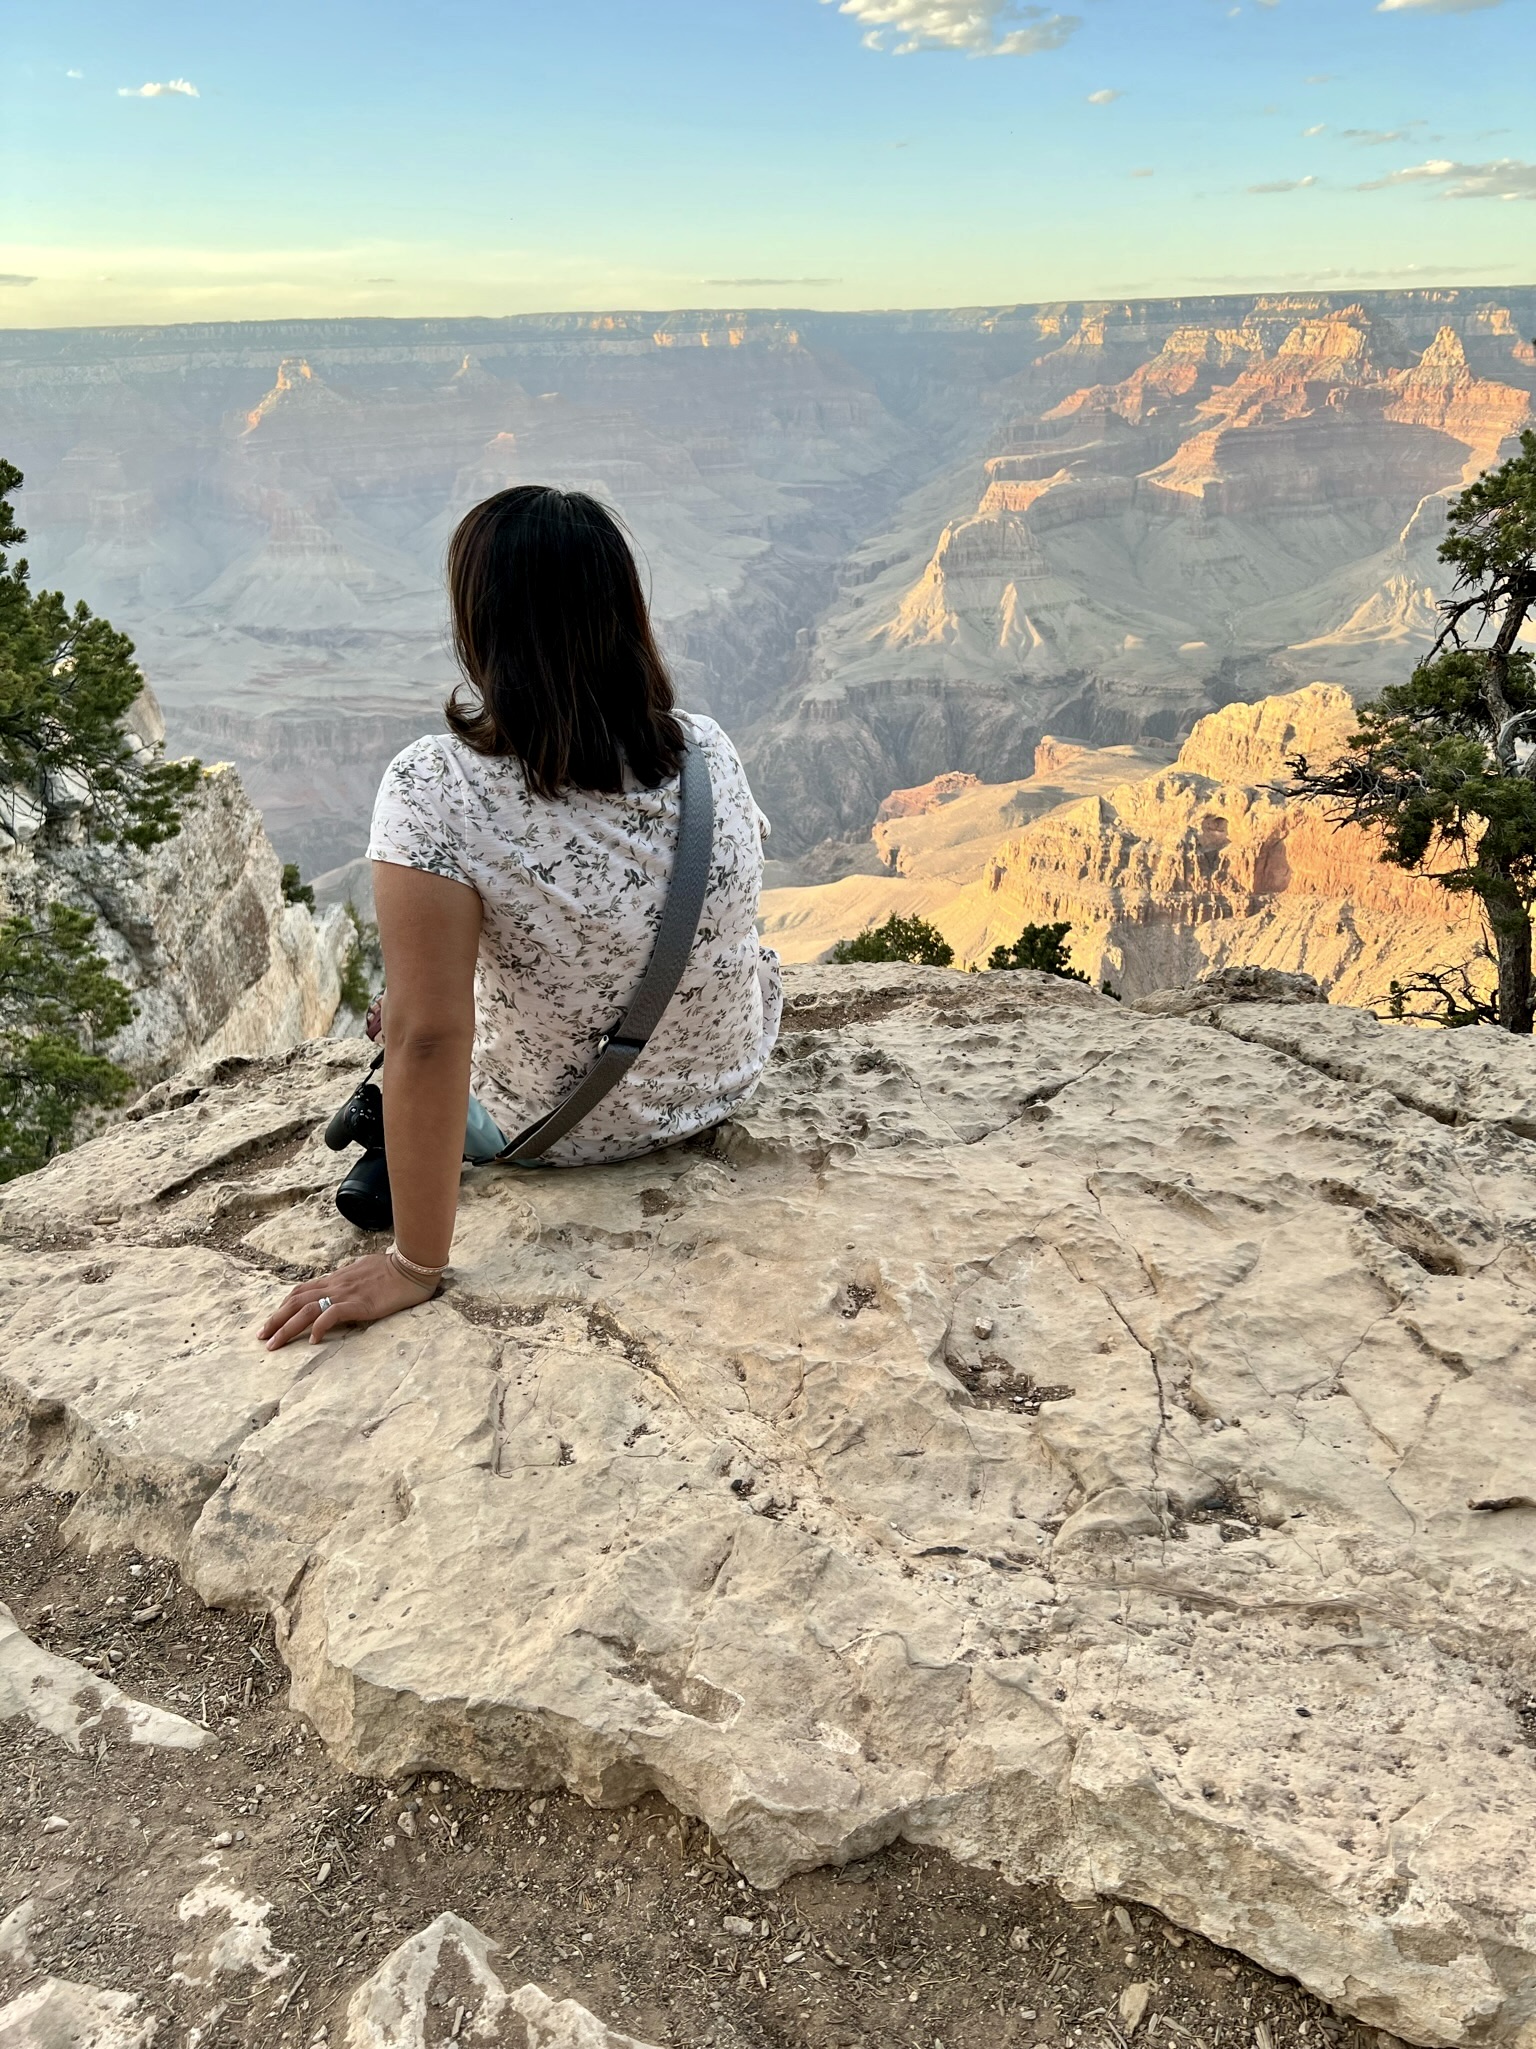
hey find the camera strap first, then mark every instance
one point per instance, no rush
(680, 915)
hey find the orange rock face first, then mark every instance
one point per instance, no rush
(917, 803)
(1208, 864)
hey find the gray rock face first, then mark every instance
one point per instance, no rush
(198, 931)
(1097, 1443)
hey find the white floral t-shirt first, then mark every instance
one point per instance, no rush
(572, 890)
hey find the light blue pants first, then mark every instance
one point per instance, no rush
(483, 1138)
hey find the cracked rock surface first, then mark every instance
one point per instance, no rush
(1097, 1443)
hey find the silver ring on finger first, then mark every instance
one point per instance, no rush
(324, 1302)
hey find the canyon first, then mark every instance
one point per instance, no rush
(1137, 1506)
(1163, 871)
(882, 547)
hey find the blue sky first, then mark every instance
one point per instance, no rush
(504, 156)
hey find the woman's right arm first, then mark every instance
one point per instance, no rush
(429, 929)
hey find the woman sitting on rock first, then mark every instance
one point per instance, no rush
(523, 872)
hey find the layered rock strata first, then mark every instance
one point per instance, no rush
(882, 546)
(1253, 493)
(931, 843)
(1208, 864)
(1199, 865)
(1094, 1442)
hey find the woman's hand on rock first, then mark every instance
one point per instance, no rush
(365, 1292)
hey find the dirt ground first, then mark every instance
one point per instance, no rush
(634, 1912)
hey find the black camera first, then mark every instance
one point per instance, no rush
(359, 1121)
(363, 1198)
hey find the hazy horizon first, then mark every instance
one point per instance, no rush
(787, 310)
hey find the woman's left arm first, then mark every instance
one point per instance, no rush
(429, 929)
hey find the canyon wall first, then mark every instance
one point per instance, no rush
(1221, 508)
(1207, 865)
(266, 509)
(196, 928)
(882, 546)
(1200, 865)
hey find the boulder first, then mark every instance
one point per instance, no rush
(1094, 1442)
(1231, 985)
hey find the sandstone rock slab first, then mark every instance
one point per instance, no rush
(1088, 1441)
(61, 1696)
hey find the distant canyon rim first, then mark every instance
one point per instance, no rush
(883, 547)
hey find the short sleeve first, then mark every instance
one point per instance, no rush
(418, 814)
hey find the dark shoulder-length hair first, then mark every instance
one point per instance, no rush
(550, 626)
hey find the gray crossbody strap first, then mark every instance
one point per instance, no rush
(680, 915)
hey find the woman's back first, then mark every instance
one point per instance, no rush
(572, 889)
(522, 863)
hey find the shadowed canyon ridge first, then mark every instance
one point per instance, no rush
(884, 547)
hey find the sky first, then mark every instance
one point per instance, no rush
(181, 160)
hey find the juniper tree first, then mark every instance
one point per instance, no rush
(912, 940)
(67, 680)
(1437, 766)
(57, 1003)
(1042, 947)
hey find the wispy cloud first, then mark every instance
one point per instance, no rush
(1509, 178)
(1435, 6)
(1106, 96)
(981, 28)
(155, 90)
(1373, 138)
(14, 277)
(74, 74)
(1285, 185)
(1144, 171)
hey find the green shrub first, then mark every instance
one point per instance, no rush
(1042, 947)
(66, 682)
(57, 1000)
(295, 889)
(356, 990)
(912, 940)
